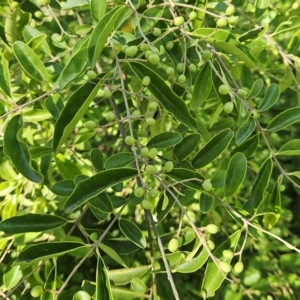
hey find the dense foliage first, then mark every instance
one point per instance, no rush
(149, 150)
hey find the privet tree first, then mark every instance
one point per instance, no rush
(149, 149)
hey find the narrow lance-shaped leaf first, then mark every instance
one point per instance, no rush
(284, 119)
(4, 77)
(165, 140)
(31, 223)
(290, 148)
(186, 147)
(256, 88)
(124, 276)
(261, 7)
(119, 160)
(50, 285)
(235, 174)
(161, 91)
(103, 289)
(12, 277)
(244, 131)
(217, 145)
(98, 8)
(75, 108)
(95, 185)
(17, 151)
(271, 96)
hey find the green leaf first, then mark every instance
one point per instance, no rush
(256, 88)
(74, 68)
(63, 187)
(215, 147)
(40, 151)
(124, 276)
(261, 7)
(126, 294)
(50, 285)
(70, 4)
(31, 223)
(165, 140)
(292, 24)
(17, 151)
(36, 115)
(271, 96)
(206, 202)
(119, 160)
(30, 62)
(252, 34)
(260, 185)
(100, 34)
(235, 174)
(294, 43)
(161, 91)
(98, 8)
(132, 232)
(202, 87)
(187, 146)
(213, 278)
(97, 159)
(95, 185)
(284, 119)
(248, 147)
(102, 202)
(5, 77)
(12, 277)
(113, 254)
(103, 289)
(123, 246)
(55, 105)
(290, 148)
(244, 131)
(75, 108)
(198, 22)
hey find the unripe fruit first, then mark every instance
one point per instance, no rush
(173, 245)
(32, 24)
(144, 47)
(45, 2)
(148, 53)
(230, 10)
(238, 267)
(155, 50)
(139, 192)
(91, 74)
(90, 125)
(228, 107)
(224, 89)
(59, 39)
(14, 5)
(131, 51)
(129, 140)
(169, 166)
(153, 193)
(124, 47)
(178, 21)
(180, 67)
(170, 71)
(146, 81)
(136, 113)
(145, 152)
(192, 15)
(82, 295)
(212, 228)
(36, 291)
(254, 114)
(154, 59)
(38, 14)
(206, 55)
(152, 105)
(169, 45)
(242, 93)
(85, 155)
(225, 266)
(106, 94)
(152, 153)
(281, 187)
(93, 236)
(156, 31)
(211, 244)
(222, 22)
(150, 169)
(147, 204)
(227, 254)
(192, 68)
(188, 96)
(150, 121)
(181, 78)
(233, 20)
(207, 186)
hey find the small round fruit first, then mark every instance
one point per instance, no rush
(178, 21)
(230, 10)
(14, 5)
(169, 166)
(150, 121)
(156, 31)
(106, 94)
(124, 47)
(242, 93)
(81, 295)
(152, 153)
(281, 187)
(181, 78)
(45, 2)
(225, 266)
(152, 105)
(129, 140)
(148, 53)
(38, 14)
(153, 193)
(170, 71)
(144, 47)
(36, 291)
(146, 80)
(139, 192)
(188, 96)
(131, 51)
(192, 68)
(93, 236)
(238, 267)
(228, 107)
(207, 186)
(254, 114)
(136, 113)
(169, 45)
(257, 100)
(206, 55)
(33, 24)
(212, 228)
(211, 244)
(154, 59)
(224, 89)
(192, 15)
(90, 125)
(180, 67)
(91, 74)
(150, 169)
(227, 254)
(233, 20)
(59, 39)
(147, 204)
(145, 152)
(173, 245)
(222, 22)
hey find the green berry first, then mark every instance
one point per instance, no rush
(233, 20)
(124, 47)
(152, 153)
(150, 121)
(144, 47)
(180, 67)
(152, 105)
(211, 244)
(212, 228)
(181, 78)
(91, 74)
(206, 55)
(230, 10)
(136, 113)
(169, 45)
(238, 267)
(169, 166)
(147, 204)
(192, 68)
(148, 53)
(170, 71)
(150, 169)
(81, 295)
(254, 114)
(139, 192)
(131, 51)
(93, 236)
(110, 116)
(146, 81)
(90, 125)
(188, 96)
(14, 5)
(36, 291)
(224, 89)
(153, 193)
(207, 186)
(154, 59)
(227, 254)
(173, 245)
(192, 15)
(228, 107)
(106, 94)
(129, 140)
(242, 93)
(281, 187)
(38, 14)
(145, 152)
(222, 22)
(178, 21)
(225, 266)
(33, 24)
(156, 31)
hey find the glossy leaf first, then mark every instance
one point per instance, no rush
(271, 96)
(290, 148)
(98, 8)
(103, 289)
(124, 276)
(235, 174)
(55, 105)
(244, 131)
(40, 151)
(95, 185)
(132, 232)
(206, 202)
(75, 66)
(122, 245)
(119, 160)
(198, 22)
(63, 187)
(113, 254)
(187, 146)
(70, 4)
(102, 202)
(18, 151)
(100, 34)
(31, 223)
(97, 159)
(75, 108)
(284, 119)
(161, 91)
(248, 147)
(12, 277)
(214, 147)
(260, 185)
(256, 88)
(165, 140)
(5, 77)
(30, 62)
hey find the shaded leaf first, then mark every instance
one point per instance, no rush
(206, 202)
(97, 159)
(248, 147)
(5, 77)
(55, 105)
(102, 202)
(244, 131)
(63, 187)
(132, 232)
(271, 96)
(256, 88)
(50, 285)
(103, 289)
(187, 146)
